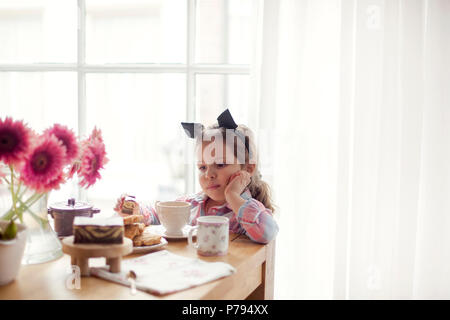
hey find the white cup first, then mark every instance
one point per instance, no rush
(212, 236)
(174, 215)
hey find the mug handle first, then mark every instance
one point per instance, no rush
(190, 241)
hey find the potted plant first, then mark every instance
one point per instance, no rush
(12, 245)
(31, 165)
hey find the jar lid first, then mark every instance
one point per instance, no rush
(70, 205)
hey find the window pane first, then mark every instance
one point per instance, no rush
(42, 99)
(136, 31)
(38, 31)
(225, 31)
(216, 93)
(139, 115)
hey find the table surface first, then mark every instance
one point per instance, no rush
(253, 279)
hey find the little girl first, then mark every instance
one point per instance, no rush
(230, 187)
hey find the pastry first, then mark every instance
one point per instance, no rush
(98, 230)
(133, 230)
(146, 239)
(128, 205)
(134, 218)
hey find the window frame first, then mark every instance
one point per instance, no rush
(189, 68)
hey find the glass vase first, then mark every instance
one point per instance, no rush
(42, 243)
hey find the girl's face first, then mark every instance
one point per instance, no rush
(214, 171)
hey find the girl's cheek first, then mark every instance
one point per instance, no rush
(201, 177)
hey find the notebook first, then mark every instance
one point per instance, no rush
(164, 272)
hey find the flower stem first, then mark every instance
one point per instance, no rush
(18, 189)
(8, 215)
(23, 192)
(38, 219)
(18, 212)
(18, 206)
(11, 168)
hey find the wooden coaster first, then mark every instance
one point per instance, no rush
(80, 253)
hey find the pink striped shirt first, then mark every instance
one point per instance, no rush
(252, 219)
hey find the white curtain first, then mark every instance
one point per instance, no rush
(356, 96)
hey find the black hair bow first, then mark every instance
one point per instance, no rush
(225, 120)
(192, 128)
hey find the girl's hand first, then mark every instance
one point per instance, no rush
(237, 183)
(119, 203)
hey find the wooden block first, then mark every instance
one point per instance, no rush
(114, 264)
(83, 263)
(80, 253)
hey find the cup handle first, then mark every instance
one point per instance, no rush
(190, 241)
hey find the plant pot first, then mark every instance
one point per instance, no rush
(11, 253)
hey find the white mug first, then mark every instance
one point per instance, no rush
(212, 236)
(174, 215)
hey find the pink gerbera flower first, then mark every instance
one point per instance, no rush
(96, 134)
(43, 167)
(93, 159)
(74, 168)
(54, 184)
(15, 141)
(68, 139)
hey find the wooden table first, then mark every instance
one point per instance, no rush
(253, 279)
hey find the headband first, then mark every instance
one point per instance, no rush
(225, 120)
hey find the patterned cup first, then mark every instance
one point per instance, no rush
(212, 236)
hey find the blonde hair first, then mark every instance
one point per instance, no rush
(258, 188)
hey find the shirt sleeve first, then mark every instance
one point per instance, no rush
(257, 221)
(149, 214)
